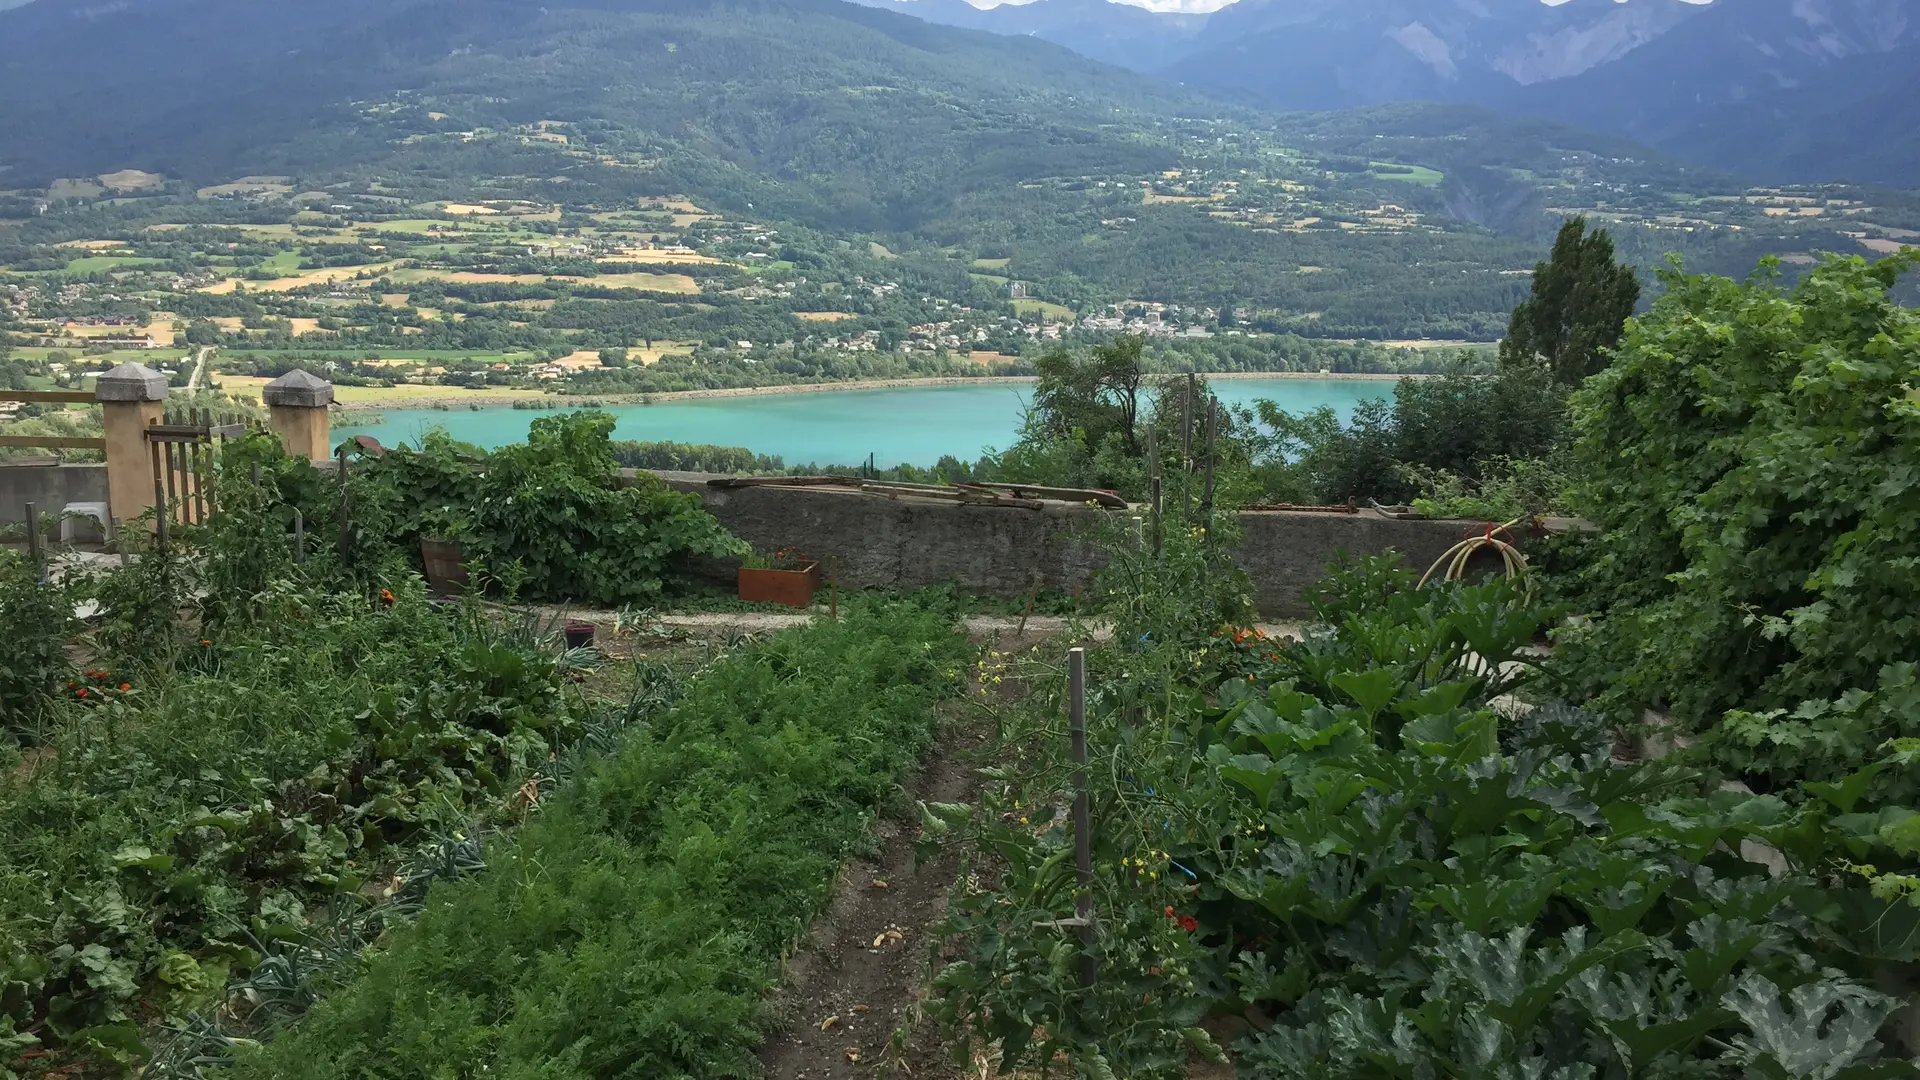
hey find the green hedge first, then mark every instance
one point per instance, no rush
(633, 928)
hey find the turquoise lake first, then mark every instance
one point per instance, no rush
(900, 425)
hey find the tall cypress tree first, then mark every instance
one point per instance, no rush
(1580, 304)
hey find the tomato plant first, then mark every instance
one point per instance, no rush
(1400, 856)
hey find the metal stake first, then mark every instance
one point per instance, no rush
(299, 538)
(1082, 811)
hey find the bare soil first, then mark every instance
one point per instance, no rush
(852, 994)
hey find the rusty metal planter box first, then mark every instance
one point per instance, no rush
(794, 588)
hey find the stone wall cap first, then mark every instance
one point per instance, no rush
(298, 389)
(131, 381)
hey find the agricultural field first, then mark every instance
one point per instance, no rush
(1412, 174)
(1431, 817)
(398, 396)
(1313, 238)
(1043, 309)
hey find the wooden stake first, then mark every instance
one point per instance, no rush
(346, 518)
(1186, 450)
(1082, 812)
(299, 538)
(160, 505)
(833, 586)
(33, 539)
(1213, 433)
(1032, 588)
(1153, 493)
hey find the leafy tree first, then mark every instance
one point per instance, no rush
(1093, 396)
(613, 358)
(1317, 459)
(1579, 307)
(13, 373)
(1457, 428)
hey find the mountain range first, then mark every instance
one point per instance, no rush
(964, 163)
(870, 120)
(1777, 90)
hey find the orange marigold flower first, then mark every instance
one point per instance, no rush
(126, 686)
(386, 597)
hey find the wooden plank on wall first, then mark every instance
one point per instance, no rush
(49, 397)
(53, 442)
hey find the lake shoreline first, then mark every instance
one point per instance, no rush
(561, 403)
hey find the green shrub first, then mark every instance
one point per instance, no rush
(693, 457)
(194, 806)
(634, 926)
(553, 509)
(1508, 488)
(1751, 457)
(36, 621)
(1353, 837)
(1466, 425)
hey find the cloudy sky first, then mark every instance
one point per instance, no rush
(1195, 6)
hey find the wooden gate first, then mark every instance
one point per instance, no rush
(183, 462)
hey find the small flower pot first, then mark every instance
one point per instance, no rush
(579, 634)
(794, 588)
(445, 562)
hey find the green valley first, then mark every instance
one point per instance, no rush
(741, 193)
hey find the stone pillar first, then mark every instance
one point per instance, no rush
(297, 412)
(131, 396)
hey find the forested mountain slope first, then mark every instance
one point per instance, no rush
(866, 149)
(883, 116)
(1778, 90)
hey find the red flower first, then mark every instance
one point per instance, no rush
(1189, 923)
(82, 691)
(126, 686)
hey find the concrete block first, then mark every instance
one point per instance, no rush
(131, 381)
